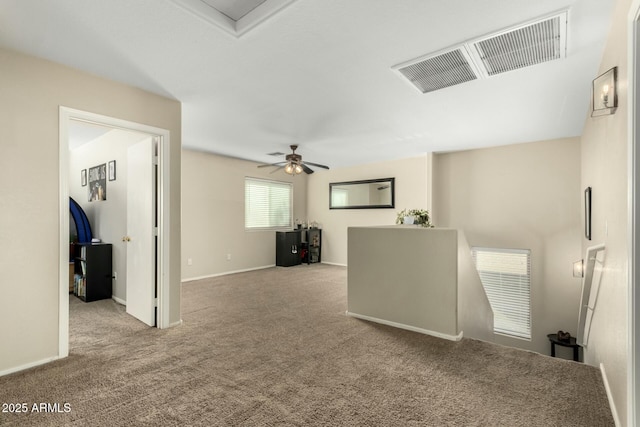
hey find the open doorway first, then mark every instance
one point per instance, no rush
(113, 185)
(111, 222)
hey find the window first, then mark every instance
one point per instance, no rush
(267, 204)
(506, 277)
(339, 197)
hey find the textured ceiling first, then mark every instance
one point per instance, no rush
(319, 72)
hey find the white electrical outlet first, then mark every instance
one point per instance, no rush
(189, 261)
(115, 275)
(228, 257)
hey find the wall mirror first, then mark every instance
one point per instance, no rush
(367, 194)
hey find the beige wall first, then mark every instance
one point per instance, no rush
(475, 316)
(32, 92)
(412, 188)
(213, 215)
(604, 168)
(524, 196)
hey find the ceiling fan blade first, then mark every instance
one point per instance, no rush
(306, 168)
(277, 169)
(272, 164)
(317, 165)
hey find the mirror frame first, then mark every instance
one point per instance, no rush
(390, 181)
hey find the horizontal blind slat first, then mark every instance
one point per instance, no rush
(267, 204)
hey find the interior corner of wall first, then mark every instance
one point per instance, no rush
(429, 181)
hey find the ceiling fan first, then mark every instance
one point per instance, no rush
(293, 164)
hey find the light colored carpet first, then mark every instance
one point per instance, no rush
(274, 347)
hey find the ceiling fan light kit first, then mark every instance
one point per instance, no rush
(293, 168)
(293, 164)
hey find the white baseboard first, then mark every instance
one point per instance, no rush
(27, 366)
(334, 263)
(118, 300)
(407, 327)
(612, 404)
(178, 323)
(226, 273)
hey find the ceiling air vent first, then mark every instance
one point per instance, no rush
(518, 47)
(525, 46)
(440, 71)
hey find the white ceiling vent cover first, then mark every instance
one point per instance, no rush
(518, 47)
(439, 71)
(532, 44)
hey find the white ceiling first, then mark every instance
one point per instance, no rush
(234, 9)
(319, 72)
(81, 133)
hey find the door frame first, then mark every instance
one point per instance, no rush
(163, 193)
(633, 81)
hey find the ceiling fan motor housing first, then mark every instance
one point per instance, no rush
(293, 158)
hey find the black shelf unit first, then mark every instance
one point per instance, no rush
(298, 246)
(314, 245)
(92, 271)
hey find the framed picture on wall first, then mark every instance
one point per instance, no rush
(98, 183)
(112, 170)
(83, 177)
(587, 213)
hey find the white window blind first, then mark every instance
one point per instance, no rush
(506, 277)
(267, 204)
(339, 197)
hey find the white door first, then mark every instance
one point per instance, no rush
(140, 238)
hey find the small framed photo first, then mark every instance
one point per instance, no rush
(605, 96)
(112, 170)
(83, 177)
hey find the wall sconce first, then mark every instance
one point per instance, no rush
(578, 269)
(605, 93)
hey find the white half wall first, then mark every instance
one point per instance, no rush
(406, 276)
(418, 279)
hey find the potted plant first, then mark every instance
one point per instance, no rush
(420, 217)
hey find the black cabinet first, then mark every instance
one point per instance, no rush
(298, 246)
(92, 271)
(288, 248)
